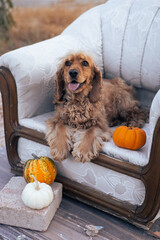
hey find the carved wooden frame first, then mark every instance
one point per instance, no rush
(149, 174)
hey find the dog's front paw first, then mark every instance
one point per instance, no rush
(59, 147)
(59, 139)
(59, 153)
(85, 151)
(81, 155)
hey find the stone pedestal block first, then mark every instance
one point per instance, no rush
(14, 212)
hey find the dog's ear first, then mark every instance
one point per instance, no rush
(96, 82)
(60, 85)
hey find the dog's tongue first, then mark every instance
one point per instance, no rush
(73, 86)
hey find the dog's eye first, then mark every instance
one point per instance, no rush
(68, 63)
(85, 63)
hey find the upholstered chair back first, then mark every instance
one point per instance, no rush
(131, 41)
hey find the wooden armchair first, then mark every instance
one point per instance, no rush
(120, 47)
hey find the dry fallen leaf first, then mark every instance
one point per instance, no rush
(92, 230)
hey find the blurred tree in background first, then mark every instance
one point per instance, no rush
(6, 19)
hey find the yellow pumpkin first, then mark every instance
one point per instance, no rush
(129, 137)
(43, 168)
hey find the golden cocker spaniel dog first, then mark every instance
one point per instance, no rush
(86, 106)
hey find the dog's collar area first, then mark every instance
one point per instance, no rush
(74, 85)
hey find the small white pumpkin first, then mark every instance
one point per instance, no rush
(37, 195)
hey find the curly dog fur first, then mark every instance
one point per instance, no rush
(86, 106)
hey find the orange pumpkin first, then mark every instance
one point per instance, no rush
(43, 168)
(129, 137)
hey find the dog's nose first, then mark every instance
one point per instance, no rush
(73, 73)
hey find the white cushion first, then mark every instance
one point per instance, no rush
(139, 157)
(118, 185)
(37, 123)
